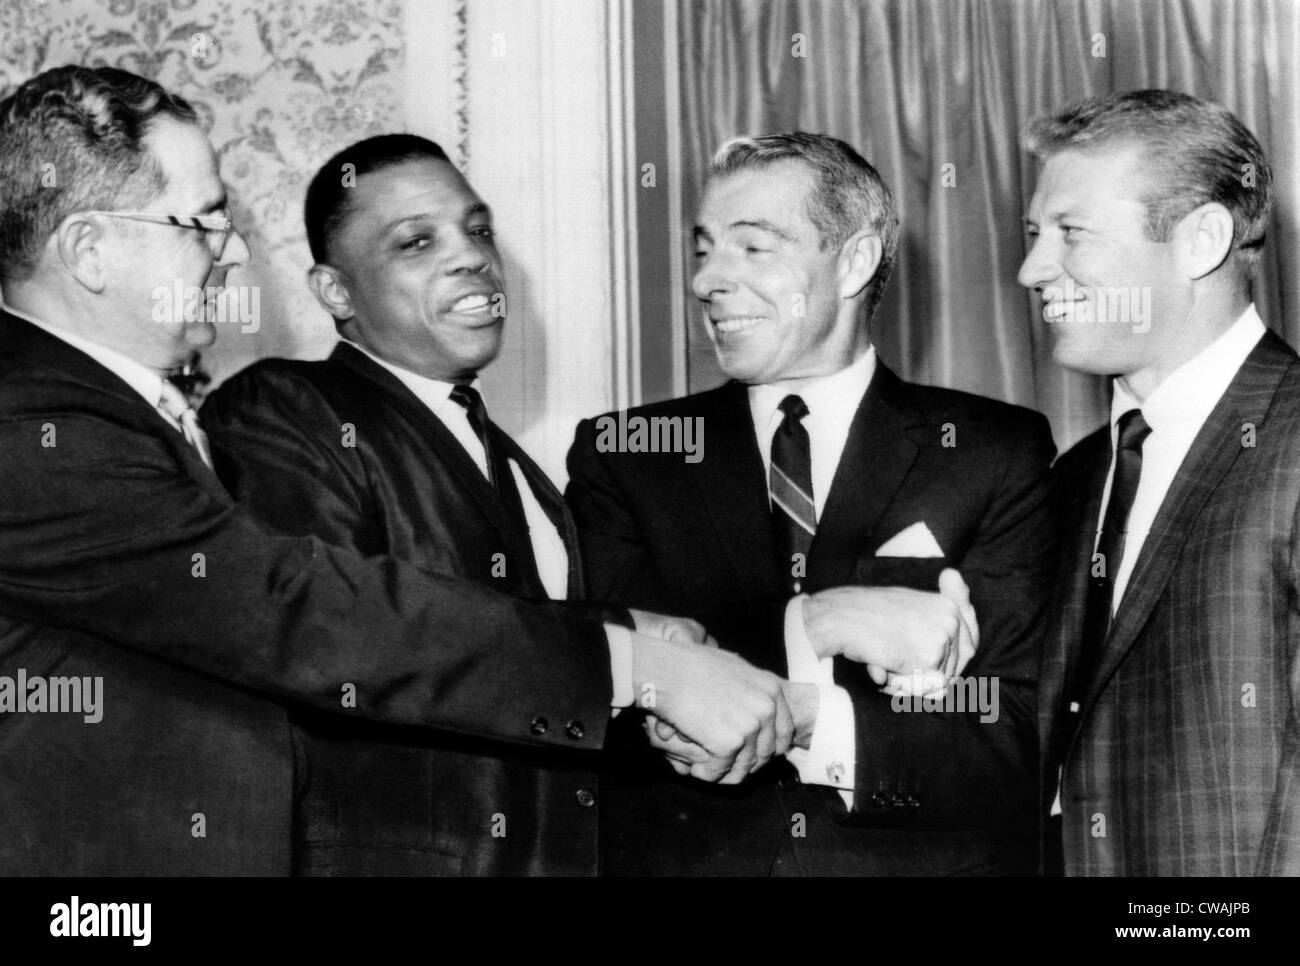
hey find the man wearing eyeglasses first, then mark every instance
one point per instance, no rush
(152, 632)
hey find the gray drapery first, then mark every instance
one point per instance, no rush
(917, 85)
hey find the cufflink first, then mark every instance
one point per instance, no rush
(1074, 707)
(835, 772)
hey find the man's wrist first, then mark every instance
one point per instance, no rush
(814, 612)
(804, 701)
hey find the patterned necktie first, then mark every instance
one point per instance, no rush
(794, 515)
(174, 404)
(503, 480)
(1133, 431)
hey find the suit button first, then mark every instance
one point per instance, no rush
(899, 800)
(585, 797)
(575, 730)
(539, 726)
(879, 799)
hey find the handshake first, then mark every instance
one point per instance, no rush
(717, 718)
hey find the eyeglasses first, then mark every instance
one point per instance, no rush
(218, 228)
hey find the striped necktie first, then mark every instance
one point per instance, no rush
(174, 404)
(794, 514)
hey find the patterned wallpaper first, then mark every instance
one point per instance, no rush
(280, 86)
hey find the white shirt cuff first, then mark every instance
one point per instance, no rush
(829, 760)
(801, 660)
(620, 665)
(831, 757)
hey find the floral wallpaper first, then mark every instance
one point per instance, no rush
(279, 86)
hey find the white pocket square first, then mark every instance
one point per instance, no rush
(915, 541)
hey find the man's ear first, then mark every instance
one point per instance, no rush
(79, 247)
(859, 259)
(331, 291)
(1205, 239)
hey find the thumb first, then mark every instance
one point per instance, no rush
(663, 729)
(952, 586)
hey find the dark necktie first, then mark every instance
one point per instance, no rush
(503, 480)
(1133, 431)
(794, 515)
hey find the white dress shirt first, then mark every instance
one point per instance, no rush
(832, 403)
(1176, 410)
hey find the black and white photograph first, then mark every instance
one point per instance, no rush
(652, 441)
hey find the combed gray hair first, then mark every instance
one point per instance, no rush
(848, 195)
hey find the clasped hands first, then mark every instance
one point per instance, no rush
(718, 718)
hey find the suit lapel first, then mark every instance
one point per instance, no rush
(882, 445)
(50, 352)
(1078, 533)
(447, 449)
(733, 489)
(1216, 447)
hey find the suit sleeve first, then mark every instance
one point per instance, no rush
(972, 768)
(275, 442)
(619, 565)
(1280, 850)
(105, 532)
(622, 569)
(267, 434)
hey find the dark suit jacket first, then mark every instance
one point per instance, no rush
(1184, 758)
(104, 509)
(696, 538)
(378, 800)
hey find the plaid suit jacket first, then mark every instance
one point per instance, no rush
(1184, 756)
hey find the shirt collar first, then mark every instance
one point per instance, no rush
(832, 398)
(1188, 395)
(434, 393)
(145, 381)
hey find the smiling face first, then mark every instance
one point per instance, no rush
(1090, 254)
(415, 271)
(771, 293)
